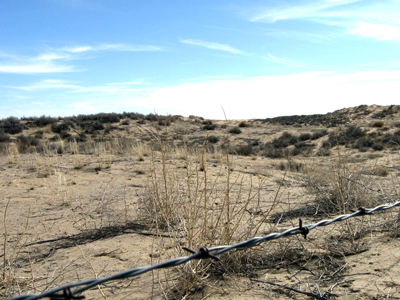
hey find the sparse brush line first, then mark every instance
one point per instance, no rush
(203, 253)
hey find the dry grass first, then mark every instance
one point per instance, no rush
(182, 189)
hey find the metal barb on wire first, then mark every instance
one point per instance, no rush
(203, 253)
(303, 230)
(67, 295)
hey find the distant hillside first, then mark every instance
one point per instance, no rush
(338, 117)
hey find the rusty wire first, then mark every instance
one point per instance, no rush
(65, 293)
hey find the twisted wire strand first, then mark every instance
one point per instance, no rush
(203, 253)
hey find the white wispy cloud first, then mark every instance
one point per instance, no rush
(374, 19)
(379, 31)
(55, 60)
(31, 68)
(315, 9)
(54, 84)
(44, 85)
(113, 47)
(136, 82)
(212, 45)
(283, 61)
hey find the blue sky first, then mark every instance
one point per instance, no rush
(256, 59)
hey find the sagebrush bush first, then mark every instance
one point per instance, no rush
(58, 128)
(304, 137)
(4, 137)
(286, 139)
(213, 139)
(11, 125)
(235, 130)
(378, 124)
(245, 150)
(209, 127)
(347, 137)
(272, 152)
(25, 143)
(43, 121)
(318, 134)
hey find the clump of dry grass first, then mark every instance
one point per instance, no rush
(341, 186)
(199, 210)
(10, 281)
(380, 171)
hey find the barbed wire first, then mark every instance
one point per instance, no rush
(64, 292)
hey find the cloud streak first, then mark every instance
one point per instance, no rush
(113, 47)
(54, 60)
(54, 84)
(212, 45)
(30, 68)
(377, 31)
(314, 10)
(45, 85)
(376, 20)
(283, 61)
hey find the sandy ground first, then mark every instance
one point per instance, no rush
(67, 218)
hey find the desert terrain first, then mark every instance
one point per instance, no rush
(93, 195)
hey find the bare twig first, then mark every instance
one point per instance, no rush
(292, 289)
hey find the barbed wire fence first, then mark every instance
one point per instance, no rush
(65, 292)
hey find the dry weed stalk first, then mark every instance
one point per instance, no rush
(9, 278)
(199, 211)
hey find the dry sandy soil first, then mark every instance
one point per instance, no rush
(134, 194)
